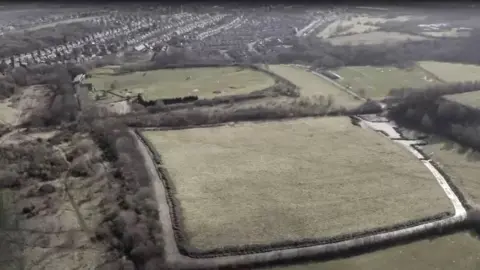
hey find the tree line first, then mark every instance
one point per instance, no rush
(432, 112)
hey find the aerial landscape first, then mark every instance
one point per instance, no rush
(265, 136)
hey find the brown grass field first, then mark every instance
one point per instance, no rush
(169, 83)
(257, 183)
(461, 165)
(454, 251)
(312, 85)
(452, 72)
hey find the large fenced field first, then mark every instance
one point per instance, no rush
(263, 183)
(452, 72)
(312, 85)
(376, 82)
(205, 82)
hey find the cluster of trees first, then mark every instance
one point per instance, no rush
(429, 111)
(62, 103)
(24, 166)
(30, 160)
(63, 106)
(409, 94)
(200, 115)
(131, 218)
(37, 74)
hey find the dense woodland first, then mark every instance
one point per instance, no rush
(131, 224)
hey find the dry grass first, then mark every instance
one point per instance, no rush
(377, 81)
(168, 83)
(452, 72)
(462, 166)
(377, 37)
(258, 183)
(312, 85)
(447, 252)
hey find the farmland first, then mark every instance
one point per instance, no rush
(471, 99)
(312, 85)
(377, 81)
(455, 250)
(169, 83)
(452, 72)
(251, 185)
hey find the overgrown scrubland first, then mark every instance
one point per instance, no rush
(131, 223)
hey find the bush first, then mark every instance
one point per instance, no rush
(429, 111)
(131, 225)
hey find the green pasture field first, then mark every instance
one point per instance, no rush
(258, 183)
(455, 251)
(461, 165)
(376, 82)
(312, 85)
(452, 72)
(169, 83)
(471, 99)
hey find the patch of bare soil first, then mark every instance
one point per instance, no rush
(52, 216)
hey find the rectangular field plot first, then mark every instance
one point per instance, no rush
(169, 83)
(312, 85)
(258, 183)
(471, 99)
(377, 81)
(456, 251)
(452, 72)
